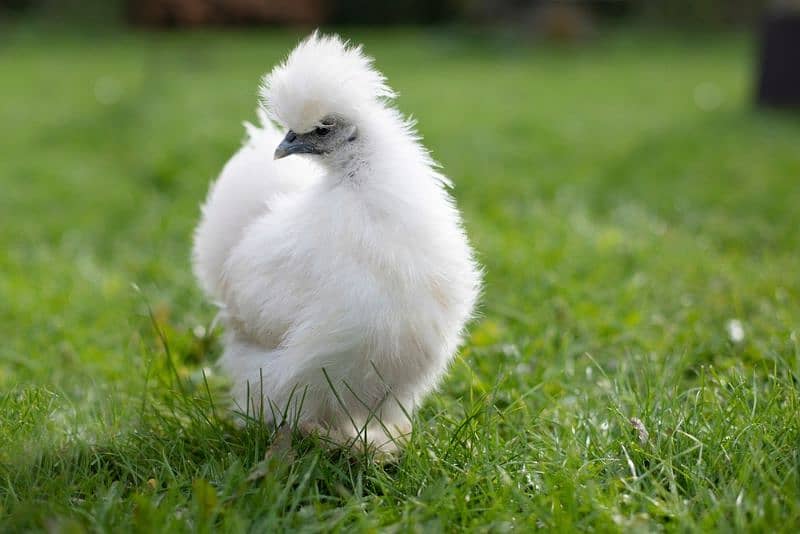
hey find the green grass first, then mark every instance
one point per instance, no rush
(622, 227)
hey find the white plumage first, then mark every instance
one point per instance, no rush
(346, 268)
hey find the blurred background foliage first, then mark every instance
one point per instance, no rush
(170, 13)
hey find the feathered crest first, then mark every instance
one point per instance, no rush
(322, 75)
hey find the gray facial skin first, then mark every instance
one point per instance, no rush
(332, 133)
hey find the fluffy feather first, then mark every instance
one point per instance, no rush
(322, 75)
(249, 180)
(345, 289)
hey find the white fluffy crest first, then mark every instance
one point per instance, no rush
(322, 75)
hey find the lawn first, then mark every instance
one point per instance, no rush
(634, 365)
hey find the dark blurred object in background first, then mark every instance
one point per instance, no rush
(779, 68)
(557, 21)
(702, 12)
(180, 13)
(563, 21)
(169, 13)
(77, 13)
(559, 18)
(393, 12)
(15, 5)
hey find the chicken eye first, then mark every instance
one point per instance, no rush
(321, 130)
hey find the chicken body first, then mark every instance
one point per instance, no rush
(344, 288)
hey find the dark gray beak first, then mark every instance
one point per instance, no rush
(293, 144)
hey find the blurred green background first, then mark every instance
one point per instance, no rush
(635, 211)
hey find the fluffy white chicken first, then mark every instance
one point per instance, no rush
(344, 277)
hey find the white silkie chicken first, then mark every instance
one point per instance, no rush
(344, 277)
